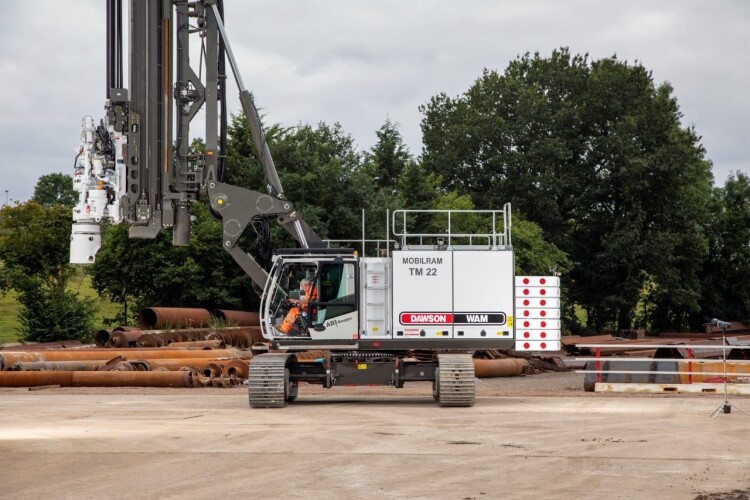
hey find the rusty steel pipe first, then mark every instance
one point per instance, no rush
(7, 359)
(122, 339)
(35, 379)
(523, 364)
(178, 364)
(171, 337)
(193, 332)
(238, 337)
(200, 344)
(150, 340)
(106, 354)
(212, 370)
(238, 318)
(58, 366)
(237, 368)
(131, 379)
(125, 328)
(488, 368)
(96, 379)
(40, 346)
(101, 337)
(160, 317)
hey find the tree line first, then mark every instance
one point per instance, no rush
(608, 188)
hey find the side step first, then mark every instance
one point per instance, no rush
(454, 380)
(268, 381)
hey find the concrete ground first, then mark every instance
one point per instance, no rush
(355, 443)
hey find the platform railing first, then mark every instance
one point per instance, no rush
(497, 237)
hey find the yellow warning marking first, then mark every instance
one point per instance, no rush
(362, 366)
(510, 321)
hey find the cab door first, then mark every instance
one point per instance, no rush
(334, 314)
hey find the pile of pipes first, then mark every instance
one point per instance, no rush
(185, 327)
(528, 363)
(154, 318)
(124, 337)
(155, 355)
(491, 363)
(138, 367)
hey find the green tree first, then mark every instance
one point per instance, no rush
(320, 170)
(155, 273)
(54, 189)
(388, 158)
(34, 248)
(725, 276)
(594, 153)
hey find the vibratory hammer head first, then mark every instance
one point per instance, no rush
(85, 241)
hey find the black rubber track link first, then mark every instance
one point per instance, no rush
(455, 380)
(268, 381)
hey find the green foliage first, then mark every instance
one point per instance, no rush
(321, 173)
(48, 314)
(155, 273)
(34, 247)
(593, 152)
(55, 189)
(726, 272)
(534, 255)
(388, 158)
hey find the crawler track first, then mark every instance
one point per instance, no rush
(455, 380)
(268, 381)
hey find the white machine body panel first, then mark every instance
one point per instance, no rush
(538, 345)
(540, 334)
(538, 302)
(538, 313)
(375, 299)
(452, 294)
(423, 294)
(538, 324)
(482, 294)
(340, 327)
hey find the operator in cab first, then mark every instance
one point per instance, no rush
(292, 324)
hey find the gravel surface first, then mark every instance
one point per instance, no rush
(551, 384)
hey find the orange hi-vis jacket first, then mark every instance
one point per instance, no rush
(293, 314)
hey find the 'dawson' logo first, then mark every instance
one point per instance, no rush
(426, 318)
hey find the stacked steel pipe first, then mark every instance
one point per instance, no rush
(152, 318)
(155, 356)
(204, 365)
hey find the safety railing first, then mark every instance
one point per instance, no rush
(381, 247)
(453, 228)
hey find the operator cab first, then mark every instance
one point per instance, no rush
(311, 293)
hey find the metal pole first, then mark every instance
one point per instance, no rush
(363, 232)
(724, 352)
(387, 230)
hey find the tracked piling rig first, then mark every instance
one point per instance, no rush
(442, 293)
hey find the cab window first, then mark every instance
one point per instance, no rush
(336, 292)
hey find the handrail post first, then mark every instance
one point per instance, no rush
(450, 232)
(598, 365)
(690, 365)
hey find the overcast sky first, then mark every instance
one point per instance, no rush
(358, 63)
